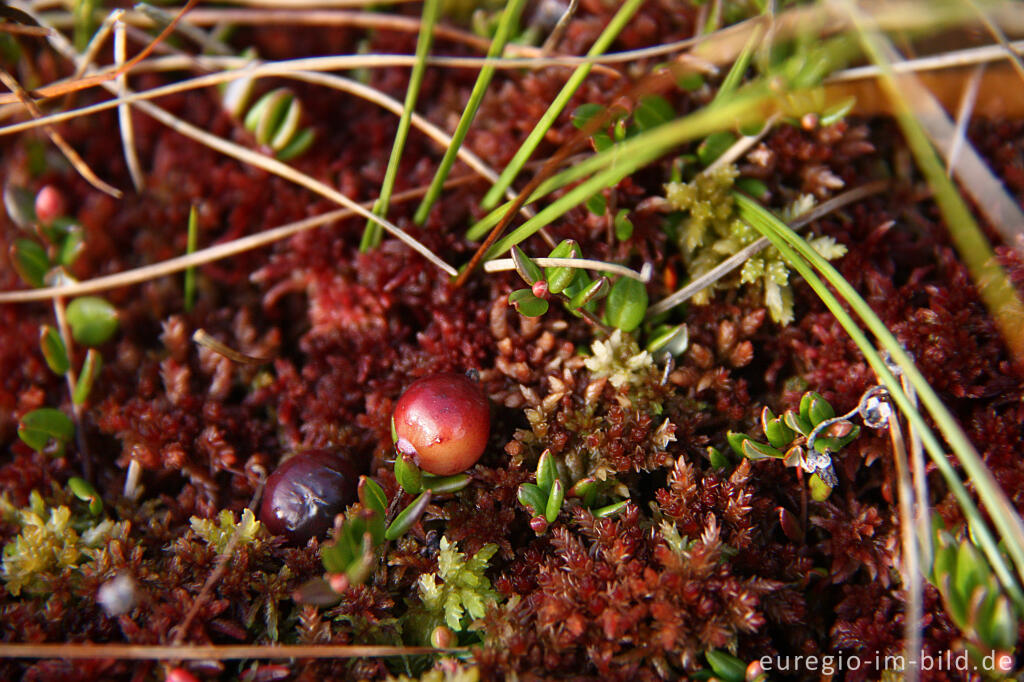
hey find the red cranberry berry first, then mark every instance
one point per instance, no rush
(304, 494)
(443, 421)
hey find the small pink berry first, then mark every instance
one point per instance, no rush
(539, 524)
(540, 288)
(49, 204)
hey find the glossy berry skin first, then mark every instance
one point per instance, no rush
(304, 494)
(443, 421)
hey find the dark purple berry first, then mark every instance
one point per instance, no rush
(306, 492)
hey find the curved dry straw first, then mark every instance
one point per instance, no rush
(215, 652)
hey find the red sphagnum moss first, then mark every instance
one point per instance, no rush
(697, 559)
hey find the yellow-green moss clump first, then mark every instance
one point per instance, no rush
(52, 543)
(711, 232)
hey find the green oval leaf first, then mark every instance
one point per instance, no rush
(736, 441)
(297, 146)
(727, 667)
(532, 497)
(87, 377)
(753, 187)
(623, 225)
(561, 277)
(527, 269)
(754, 451)
(582, 487)
(288, 125)
(72, 244)
(85, 491)
(819, 410)
(592, 292)
(797, 423)
(627, 304)
(527, 304)
(820, 490)
(653, 111)
(610, 510)
(372, 496)
(30, 261)
(408, 475)
(583, 113)
(54, 351)
(718, 458)
(673, 339)
(20, 204)
(408, 517)
(714, 146)
(555, 499)
(39, 427)
(445, 485)
(547, 472)
(93, 321)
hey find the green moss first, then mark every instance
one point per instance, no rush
(218, 533)
(464, 591)
(52, 543)
(711, 231)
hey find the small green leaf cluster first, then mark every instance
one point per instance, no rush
(273, 120)
(613, 126)
(787, 436)
(544, 499)
(974, 599)
(55, 243)
(91, 320)
(51, 542)
(353, 552)
(708, 231)
(617, 124)
(464, 591)
(365, 527)
(625, 300)
(218, 533)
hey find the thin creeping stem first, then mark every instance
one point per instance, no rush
(874, 410)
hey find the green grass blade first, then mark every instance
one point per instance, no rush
(616, 163)
(733, 79)
(509, 20)
(190, 247)
(1002, 513)
(996, 291)
(602, 43)
(372, 232)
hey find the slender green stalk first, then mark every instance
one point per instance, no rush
(372, 232)
(602, 43)
(795, 250)
(509, 20)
